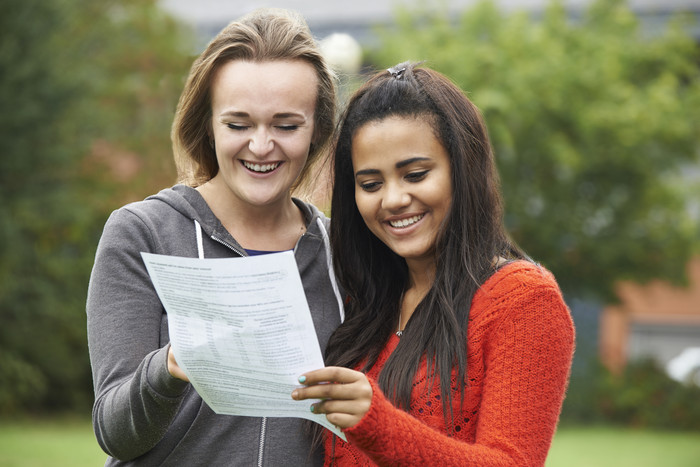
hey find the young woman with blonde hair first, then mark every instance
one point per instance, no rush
(257, 110)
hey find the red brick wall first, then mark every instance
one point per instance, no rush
(656, 302)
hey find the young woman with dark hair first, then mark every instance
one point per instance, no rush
(456, 347)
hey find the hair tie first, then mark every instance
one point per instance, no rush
(397, 71)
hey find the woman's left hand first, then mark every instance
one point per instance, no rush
(345, 394)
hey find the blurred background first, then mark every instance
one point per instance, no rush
(593, 108)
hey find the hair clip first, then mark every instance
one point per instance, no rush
(397, 71)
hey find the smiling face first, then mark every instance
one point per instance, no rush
(403, 185)
(262, 127)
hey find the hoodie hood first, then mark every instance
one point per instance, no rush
(190, 203)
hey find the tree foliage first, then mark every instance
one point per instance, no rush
(594, 121)
(88, 90)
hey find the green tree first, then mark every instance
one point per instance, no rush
(88, 90)
(593, 121)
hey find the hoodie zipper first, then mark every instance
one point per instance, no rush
(263, 425)
(263, 422)
(228, 245)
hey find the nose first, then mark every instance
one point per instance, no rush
(260, 142)
(395, 197)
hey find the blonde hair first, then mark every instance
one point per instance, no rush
(263, 35)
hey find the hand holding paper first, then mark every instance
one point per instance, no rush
(241, 330)
(344, 395)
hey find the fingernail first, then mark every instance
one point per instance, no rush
(312, 408)
(302, 379)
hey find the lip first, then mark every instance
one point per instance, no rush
(259, 165)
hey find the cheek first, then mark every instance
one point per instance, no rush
(296, 150)
(301, 153)
(444, 205)
(441, 195)
(228, 142)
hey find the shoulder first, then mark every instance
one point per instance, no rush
(136, 223)
(169, 205)
(163, 203)
(518, 276)
(312, 215)
(517, 289)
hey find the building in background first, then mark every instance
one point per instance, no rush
(358, 17)
(656, 320)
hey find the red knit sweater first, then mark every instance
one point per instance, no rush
(520, 347)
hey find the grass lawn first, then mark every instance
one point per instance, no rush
(71, 443)
(616, 447)
(64, 442)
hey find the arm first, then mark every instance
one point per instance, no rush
(136, 398)
(527, 355)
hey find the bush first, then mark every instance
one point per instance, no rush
(643, 396)
(19, 380)
(89, 88)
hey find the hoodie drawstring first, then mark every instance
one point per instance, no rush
(200, 246)
(329, 265)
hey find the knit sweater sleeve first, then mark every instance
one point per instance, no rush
(527, 349)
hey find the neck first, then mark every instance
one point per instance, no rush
(421, 274)
(421, 277)
(272, 227)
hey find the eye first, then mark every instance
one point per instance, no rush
(370, 186)
(414, 177)
(288, 127)
(236, 127)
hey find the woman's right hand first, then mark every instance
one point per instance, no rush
(174, 368)
(345, 395)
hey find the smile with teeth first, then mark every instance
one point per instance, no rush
(262, 168)
(406, 222)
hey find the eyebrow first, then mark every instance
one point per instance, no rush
(399, 165)
(410, 161)
(280, 115)
(366, 172)
(289, 115)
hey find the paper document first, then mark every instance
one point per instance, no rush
(241, 330)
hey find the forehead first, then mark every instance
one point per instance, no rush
(394, 139)
(281, 83)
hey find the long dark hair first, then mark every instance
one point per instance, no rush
(374, 277)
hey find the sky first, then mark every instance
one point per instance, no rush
(214, 11)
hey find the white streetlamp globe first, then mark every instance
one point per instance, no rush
(342, 52)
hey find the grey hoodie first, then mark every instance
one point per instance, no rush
(144, 416)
